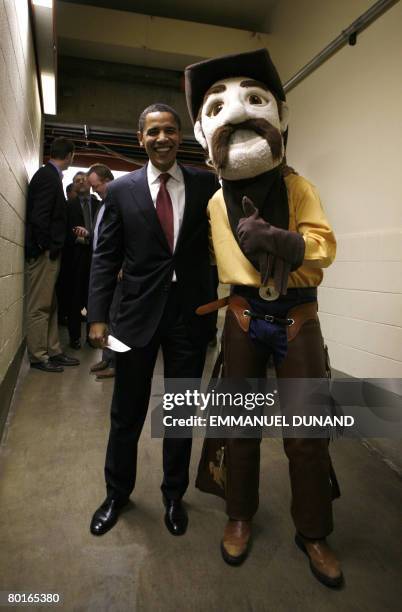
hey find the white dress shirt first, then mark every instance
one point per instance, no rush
(97, 224)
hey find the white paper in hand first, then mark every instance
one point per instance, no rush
(115, 345)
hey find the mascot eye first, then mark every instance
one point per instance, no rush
(215, 109)
(254, 99)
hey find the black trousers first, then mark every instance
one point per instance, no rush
(81, 256)
(63, 291)
(107, 354)
(132, 387)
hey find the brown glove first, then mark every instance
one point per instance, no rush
(277, 251)
(257, 236)
(271, 266)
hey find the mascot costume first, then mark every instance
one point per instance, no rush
(271, 240)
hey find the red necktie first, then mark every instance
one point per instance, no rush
(164, 209)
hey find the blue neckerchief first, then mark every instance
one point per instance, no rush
(272, 335)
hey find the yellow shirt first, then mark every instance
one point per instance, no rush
(306, 216)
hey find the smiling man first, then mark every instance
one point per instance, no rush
(156, 229)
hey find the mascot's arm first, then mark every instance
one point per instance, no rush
(257, 236)
(313, 225)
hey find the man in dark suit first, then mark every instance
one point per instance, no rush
(82, 212)
(99, 176)
(45, 235)
(155, 227)
(62, 285)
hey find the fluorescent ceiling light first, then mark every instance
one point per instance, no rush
(45, 3)
(49, 93)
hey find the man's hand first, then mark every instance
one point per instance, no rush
(81, 232)
(98, 334)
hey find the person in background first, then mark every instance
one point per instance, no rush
(70, 192)
(62, 285)
(99, 176)
(46, 226)
(82, 213)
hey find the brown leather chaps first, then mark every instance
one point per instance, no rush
(313, 481)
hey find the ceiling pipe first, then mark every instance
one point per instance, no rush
(347, 36)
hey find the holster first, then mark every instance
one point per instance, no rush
(299, 314)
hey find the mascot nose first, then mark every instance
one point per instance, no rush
(235, 112)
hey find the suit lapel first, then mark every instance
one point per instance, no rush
(93, 208)
(79, 215)
(143, 200)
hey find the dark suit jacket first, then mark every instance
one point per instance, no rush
(46, 213)
(75, 217)
(131, 233)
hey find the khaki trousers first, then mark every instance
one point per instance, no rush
(310, 465)
(42, 331)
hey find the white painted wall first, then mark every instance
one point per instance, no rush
(345, 136)
(20, 139)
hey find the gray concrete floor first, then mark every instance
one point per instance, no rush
(51, 481)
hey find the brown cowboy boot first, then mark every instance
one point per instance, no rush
(236, 541)
(323, 562)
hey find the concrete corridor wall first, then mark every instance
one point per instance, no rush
(20, 140)
(345, 134)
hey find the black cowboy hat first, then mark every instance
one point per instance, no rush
(252, 64)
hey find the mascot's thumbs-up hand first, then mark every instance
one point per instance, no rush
(248, 208)
(252, 230)
(257, 236)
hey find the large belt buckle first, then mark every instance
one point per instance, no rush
(268, 293)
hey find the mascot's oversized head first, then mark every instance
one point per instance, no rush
(239, 111)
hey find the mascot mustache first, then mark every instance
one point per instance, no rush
(221, 138)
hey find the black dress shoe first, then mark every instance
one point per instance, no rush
(75, 344)
(64, 360)
(47, 366)
(176, 519)
(106, 516)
